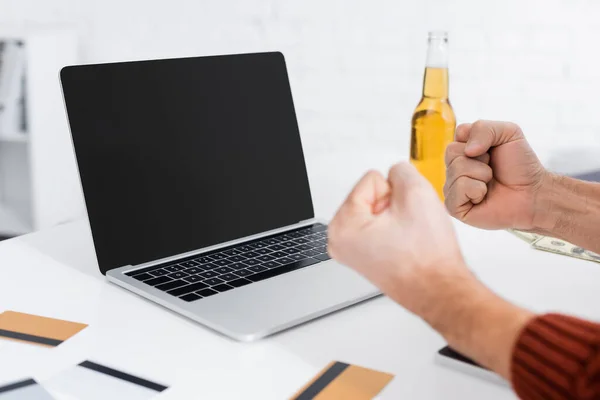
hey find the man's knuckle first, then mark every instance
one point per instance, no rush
(479, 125)
(452, 151)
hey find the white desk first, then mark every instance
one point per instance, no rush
(54, 273)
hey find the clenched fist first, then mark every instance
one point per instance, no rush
(492, 176)
(396, 233)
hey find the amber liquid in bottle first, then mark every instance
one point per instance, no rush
(433, 122)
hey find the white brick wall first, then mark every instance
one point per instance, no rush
(356, 66)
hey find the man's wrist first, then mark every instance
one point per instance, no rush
(544, 216)
(568, 209)
(479, 324)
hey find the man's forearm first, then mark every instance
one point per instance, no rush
(479, 324)
(569, 209)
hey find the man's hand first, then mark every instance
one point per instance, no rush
(397, 234)
(492, 176)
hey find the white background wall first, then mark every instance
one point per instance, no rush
(356, 65)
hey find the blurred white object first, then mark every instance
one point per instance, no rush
(39, 184)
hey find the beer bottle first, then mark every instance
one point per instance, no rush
(433, 122)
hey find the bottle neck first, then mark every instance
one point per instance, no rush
(435, 82)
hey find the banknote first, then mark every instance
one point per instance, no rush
(565, 248)
(526, 236)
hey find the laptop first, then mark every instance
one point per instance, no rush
(197, 193)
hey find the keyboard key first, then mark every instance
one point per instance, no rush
(258, 245)
(243, 272)
(257, 268)
(224, 262)
(159, 272)
(223, 270)
(265, 258)
(228, 277)
(210, 266)
(174, 268)
(291, 250)
(193, 279)
(206, 292)
(322, 235)
(213, 281)
(322, 242)
(323, 257)
(171, 285)
(288, 244)
(251, 262)
(278, 254)
(157, 281)
(321, 250)
(272, 241)
(203, 260)
(282, 270)
(270, 264)
(314, 236)
(310, 253)
(251, 254)
(189, 264)
(232, 252)
(238, 266)
(294, 235)
(177, 275)
(143, 277)
(285, 260)
(240, 282)
(263, 251)
(276, 247)
(304, 247)
(209, 274)
(190, 297)
(237, 258)
(297, 257)
(193, 270)
(217, 256)
(301, 240)
(187, 289)
(222, 288)
(244, 248)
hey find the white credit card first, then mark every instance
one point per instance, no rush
(91, 381)
(450, 358)
(27, 389)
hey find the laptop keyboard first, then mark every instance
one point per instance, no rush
(208, 274)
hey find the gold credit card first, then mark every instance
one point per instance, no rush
(35, 329)
(344, 381)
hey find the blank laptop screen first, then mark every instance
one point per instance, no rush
(176, 155)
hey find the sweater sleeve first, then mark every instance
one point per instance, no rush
(557, 357)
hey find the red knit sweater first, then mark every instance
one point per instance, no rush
(557, 357)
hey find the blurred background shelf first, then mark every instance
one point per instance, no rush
(13, 137)
(39, 185)
(12, 224)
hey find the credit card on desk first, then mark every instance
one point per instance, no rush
(344, 381)
(27, 389)
(92, 381)
(38, 330)
(451, 358)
